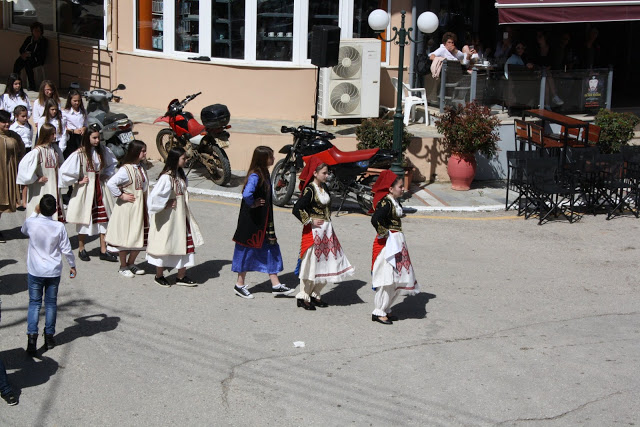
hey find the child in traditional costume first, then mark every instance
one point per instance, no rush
(38, 170)
(87, 169)
(173, 232)
(321, 259)
(391, 270)
(129, 223)
(257, 247)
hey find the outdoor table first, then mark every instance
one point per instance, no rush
(560, 119)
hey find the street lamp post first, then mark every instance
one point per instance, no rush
(378, 21)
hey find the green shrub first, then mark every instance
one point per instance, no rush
(378, 133)
(616, 129)
(469, 129)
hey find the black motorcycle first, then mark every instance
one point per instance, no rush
(347, 170)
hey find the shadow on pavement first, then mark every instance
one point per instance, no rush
(14, 283)
(413, 307)
(87, 326)
(29, 372)
(13, 234)
(207, 270)
(344, 293)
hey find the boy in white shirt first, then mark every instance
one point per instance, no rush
(48, 241)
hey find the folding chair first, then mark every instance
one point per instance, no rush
(521, 134)
(616, 187)
(516, 179)
(549, 193)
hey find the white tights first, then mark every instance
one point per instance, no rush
(309, 288)
(385, 296)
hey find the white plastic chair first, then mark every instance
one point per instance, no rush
(410, 101)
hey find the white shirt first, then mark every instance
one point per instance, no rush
(69, 172)
(75, 119)
(25, 132)
(38, 110)
(61, 139)
(444, 53)
(9, 103)
(48, 241)
(122, 177)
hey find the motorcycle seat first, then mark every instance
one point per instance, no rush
(351, 156)
(195, 128)
(113, 117)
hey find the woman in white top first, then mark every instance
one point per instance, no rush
(129, 222)
(53, 116)
(38, 170)
(76, 117)
(173, 232)
(47, 91)
(88, 169)
(14, 95)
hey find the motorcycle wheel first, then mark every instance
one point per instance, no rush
(283, 183)
(217, 164)
(165, 141)
(365, 201)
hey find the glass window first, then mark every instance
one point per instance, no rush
(149, 25)
(187, 19)
(227, 32)
(274, 31)
(82, 19)
(361, 28)
(321, 13)
(26, 12)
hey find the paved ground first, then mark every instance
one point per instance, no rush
(517, 325)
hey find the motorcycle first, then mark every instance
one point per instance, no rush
(347, 170)
(204, 143)
(116, 128)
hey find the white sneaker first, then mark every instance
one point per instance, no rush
(126, 273)
(281, 290)
(136, 270)
(557, 100)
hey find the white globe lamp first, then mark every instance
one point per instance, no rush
(378, 20)
(428, 22)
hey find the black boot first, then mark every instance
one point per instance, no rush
(31, 344)
(49, 341)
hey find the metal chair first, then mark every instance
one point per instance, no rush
(550, 192)
(410, 101)
(516, 180)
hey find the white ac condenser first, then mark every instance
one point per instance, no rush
(351, 89)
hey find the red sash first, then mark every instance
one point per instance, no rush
(307, 239)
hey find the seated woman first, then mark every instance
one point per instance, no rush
(33, 53)
(517, 57)
(447, 49)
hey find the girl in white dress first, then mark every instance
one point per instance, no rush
(53, 116)
(391, 271)
(38, 170)
(173, 232)
(14, 95)
(87, 169)
(129, 222)
(47, 91)
(321, 259)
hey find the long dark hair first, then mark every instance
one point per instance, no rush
(72, 93)
(9, 88)
(44, 134)
(41, 98)
(171, 167)
(47, 117)
(133, 152)
(259, 165)
(86, 146)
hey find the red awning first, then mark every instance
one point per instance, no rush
(563, 11)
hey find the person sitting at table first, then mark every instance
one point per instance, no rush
(542, 59)
(448, 51)
(33, 53)
(517, 57)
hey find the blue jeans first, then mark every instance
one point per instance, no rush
(36, 287)
(4, 381)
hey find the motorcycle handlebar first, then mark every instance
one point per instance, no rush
(304, 130)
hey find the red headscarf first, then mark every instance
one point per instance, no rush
(306, 176)
(381, 186)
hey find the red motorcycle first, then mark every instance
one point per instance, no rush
(204, 143)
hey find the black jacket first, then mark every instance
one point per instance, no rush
(38, 50)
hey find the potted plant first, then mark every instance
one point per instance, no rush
(378, 133)
(467, 130)
(616, 129)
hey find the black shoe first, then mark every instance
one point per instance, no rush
(318, 302)
(108, 256)
(378, 319)
(32, 340)
(307, 306)
(83, 255)
(49, 341)
(242, 291)
(185, 281)
(392, 317)
(2, 239)
(162, 281)
(10, 398)
(21, 208)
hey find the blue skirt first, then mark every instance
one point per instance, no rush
(265, 260)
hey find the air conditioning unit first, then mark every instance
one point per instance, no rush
(351, 89)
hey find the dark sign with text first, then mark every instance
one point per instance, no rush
(594, 91)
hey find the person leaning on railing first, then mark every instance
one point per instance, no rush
(447, 49)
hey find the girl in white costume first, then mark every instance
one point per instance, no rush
(87, 169)
(391, 272)
(129, 222)
(173, 232)
(321, 259)
(38, 170)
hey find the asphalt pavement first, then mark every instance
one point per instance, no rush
(517, 324)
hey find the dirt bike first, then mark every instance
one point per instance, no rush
(204, 143)
(347, 169)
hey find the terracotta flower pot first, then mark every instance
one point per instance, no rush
(462, 170)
